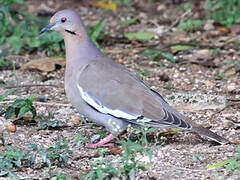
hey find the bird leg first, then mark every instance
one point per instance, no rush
(102, 143)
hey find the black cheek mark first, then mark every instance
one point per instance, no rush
(71, 32)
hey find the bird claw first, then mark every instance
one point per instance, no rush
(102, 143)
(96, 145)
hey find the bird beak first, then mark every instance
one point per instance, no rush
(47, 28)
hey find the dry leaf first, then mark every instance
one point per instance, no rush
(209, 83)
(115, 150)
(230, 72)
(222, 29)
(45, 64)
(106, 5)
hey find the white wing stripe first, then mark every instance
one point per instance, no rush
(102, 109)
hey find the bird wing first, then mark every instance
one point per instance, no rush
(110, 88)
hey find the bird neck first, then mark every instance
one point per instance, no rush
(80, 50)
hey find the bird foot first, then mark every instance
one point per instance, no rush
(102, 143)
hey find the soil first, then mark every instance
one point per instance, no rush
(194, 75)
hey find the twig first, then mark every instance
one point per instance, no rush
(31, 85)
(189, 12)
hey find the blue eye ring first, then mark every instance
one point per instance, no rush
(63, 20)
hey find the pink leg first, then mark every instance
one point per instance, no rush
(103, 142)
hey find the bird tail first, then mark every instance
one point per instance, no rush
(209, 134)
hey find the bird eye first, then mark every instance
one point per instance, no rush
(63, 20)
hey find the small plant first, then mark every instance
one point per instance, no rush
(20, 107)
(80, 139)
(156, 55)
(49, 124)
(231, 164)
(10, 160)
(53, 155)
(127, 163)
(190, 25)
(224, 12)
(60, 176)
(101, 169)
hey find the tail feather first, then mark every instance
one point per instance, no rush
(209, 134)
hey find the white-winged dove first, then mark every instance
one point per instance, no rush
(106, 92)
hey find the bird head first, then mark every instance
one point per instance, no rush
(65, 22)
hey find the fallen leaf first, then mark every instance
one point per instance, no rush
(142, 36)
(105, 5)
(45, 64)
(209, 83)
(114, 150)
(86, 170)
(222, 29)
(230, 72)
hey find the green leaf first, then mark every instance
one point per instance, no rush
(95, 32)
(154, 57)
(142, 36)
(99, 174)
(3, 63)
(19, 107)
(23, 110)
(129, 22)
(16, 43)
(10, 112)
(190, 25)
(148, 52)
(220, 164)
(181, 47)
(168, 57)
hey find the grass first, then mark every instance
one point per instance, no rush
(230, 165)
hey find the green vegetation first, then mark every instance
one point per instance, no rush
(49, 124)
(231, 164)
(24, 35)
(129, 164)
(190, 25)
(156, 55)
(224, 12)
(95, 33)
(11, 160)
(141, 36)
(129, 22)
(20, 107)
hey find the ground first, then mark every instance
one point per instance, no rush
(195, 76)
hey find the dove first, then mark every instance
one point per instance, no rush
(109, 94)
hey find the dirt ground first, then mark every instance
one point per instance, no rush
(192, 77)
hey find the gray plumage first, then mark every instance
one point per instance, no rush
(106, 92)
